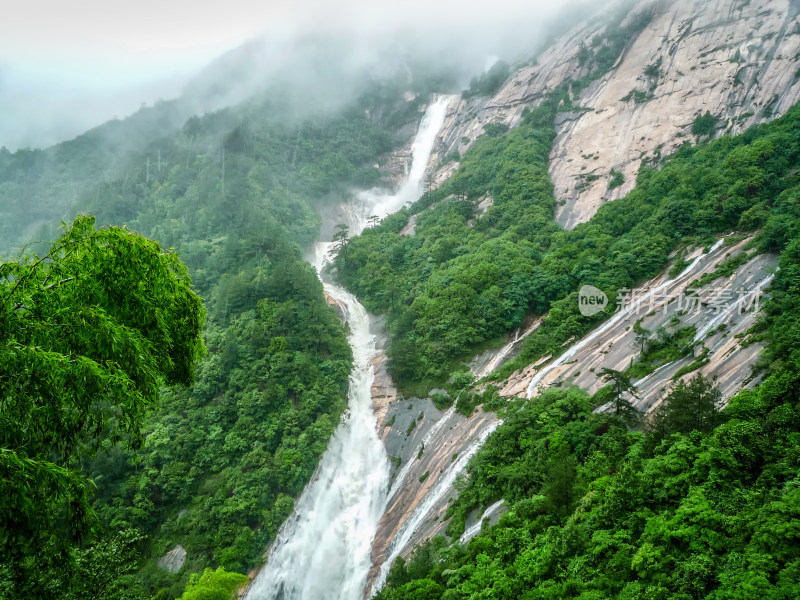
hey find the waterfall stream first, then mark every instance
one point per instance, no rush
(476, 528)
(322, 551)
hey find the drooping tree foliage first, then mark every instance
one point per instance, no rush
(89, 332)
(236, 193)
(213, 585)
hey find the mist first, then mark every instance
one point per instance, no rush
(62, 73)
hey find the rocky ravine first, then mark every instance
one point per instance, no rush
(416, 508)
(725, 312)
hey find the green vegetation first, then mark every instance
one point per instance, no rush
(703, 505)
(769, 107)
(679, 264)
(704, 125)
(745, 182)
(223, 461)
(737, 57)
(441, 401)
(692, 406)
(90, 331)
(452, 287)
(724, 269)
(698, 362)
(600, 55)
(616, 395)
(653, 70)
(235, 193)
(488, 83)
(536, 440)
(617, 179)
(213, 585)
(662, 348)
(638, 96)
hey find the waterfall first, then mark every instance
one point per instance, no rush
(724, 313)
(476, 528)
(499, 358)
(323, 550)
(412, 457)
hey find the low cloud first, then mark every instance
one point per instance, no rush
(63, 71)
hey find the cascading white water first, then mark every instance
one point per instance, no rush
(499, 358)
(724, 314)
(322, 552)
(476, 528)
(442, 486)
(426, 440)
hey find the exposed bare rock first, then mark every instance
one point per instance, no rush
(383, 393)
(416, 508)
(494, 358)
(394, 165)
(483, 205)
(337, 305)
(417, 501)
(720, 324)
(410, 226)
(476, 520)
(173, 560)
(735, 59)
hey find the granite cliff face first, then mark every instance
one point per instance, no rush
(738, 61)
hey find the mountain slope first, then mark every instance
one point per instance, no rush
(735, 59)
(462, 255)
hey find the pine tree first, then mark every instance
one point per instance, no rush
(621, 385)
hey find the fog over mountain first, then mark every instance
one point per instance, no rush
(63, 70)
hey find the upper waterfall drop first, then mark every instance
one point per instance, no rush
(381, 202)
(323, 550)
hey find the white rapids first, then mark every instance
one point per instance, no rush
(442, 486)
(322, 551)
(476, 528)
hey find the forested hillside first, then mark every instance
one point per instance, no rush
(467, 277)
(695, 503)
(172, 369)
(236, 195)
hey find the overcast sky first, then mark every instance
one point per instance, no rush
(66, 65)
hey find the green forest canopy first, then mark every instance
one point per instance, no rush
(90, 331)
(702, 504)
(235, 194)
